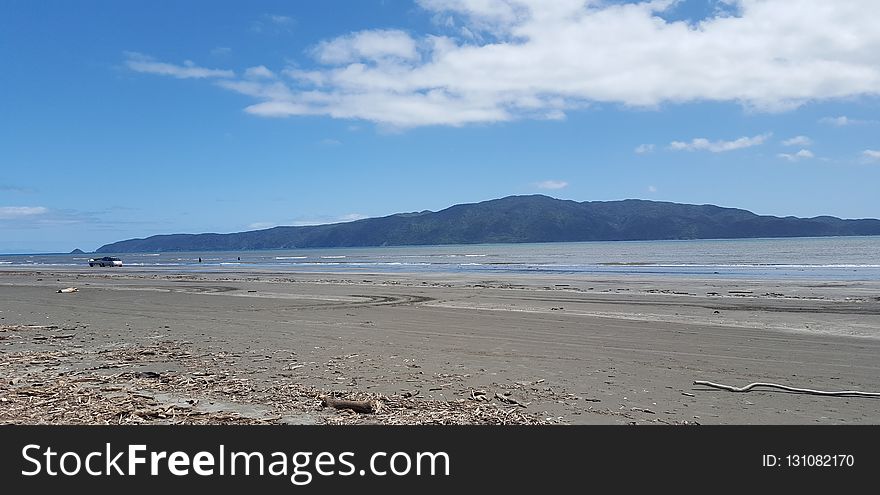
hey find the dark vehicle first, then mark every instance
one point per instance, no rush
(105, 261)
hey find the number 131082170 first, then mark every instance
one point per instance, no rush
(808, 460)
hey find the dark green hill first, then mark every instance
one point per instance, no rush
(534, 218)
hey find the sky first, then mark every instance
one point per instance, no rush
(129, 119)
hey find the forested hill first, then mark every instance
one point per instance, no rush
(535, 218)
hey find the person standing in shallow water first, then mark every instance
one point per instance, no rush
(200, 259)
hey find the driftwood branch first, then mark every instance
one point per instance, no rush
(749, 387)
(361, 406)
(510, 400)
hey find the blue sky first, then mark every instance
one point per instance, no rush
(127, 119)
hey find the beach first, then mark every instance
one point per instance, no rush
(142, 346)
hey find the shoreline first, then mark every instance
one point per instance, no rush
(435, 348)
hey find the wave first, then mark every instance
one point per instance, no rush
(357, 263)
(741, 265)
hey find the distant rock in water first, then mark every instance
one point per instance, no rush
(77, 251)
(515, 219)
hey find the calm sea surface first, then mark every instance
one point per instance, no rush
(839, 258)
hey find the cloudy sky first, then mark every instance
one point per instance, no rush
(127, 119)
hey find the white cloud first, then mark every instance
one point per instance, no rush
(18, 212)
(843, 121)
(871, 155)
(262, 225)
(329, 142)
(221, 51)
(836, 121)
(540, 59)
(644, 148)
(259, 72)
(652, 189)
(139, 62)
(279, 19)
(367, 45)
(258, 89)
(800, 155)
(316, 220)
(551, 184)
(350, 217)
(273, 24)
(703, 144)
(798, 141)
(482, 15)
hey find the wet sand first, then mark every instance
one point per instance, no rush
(436, 348)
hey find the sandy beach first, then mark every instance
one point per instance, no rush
(237, 347)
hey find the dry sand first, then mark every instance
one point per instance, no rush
(237, 347)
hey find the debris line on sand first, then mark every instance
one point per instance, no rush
(749, 387)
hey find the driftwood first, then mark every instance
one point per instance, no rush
(67, 290)
(131, 394)
(749, 387)
(361, 406)
(510, 400)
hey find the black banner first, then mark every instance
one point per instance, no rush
(518, 459)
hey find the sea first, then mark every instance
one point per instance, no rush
(830, 258)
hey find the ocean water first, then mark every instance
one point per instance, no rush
(834, 258)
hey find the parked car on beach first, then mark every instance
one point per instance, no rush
(105, 261)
